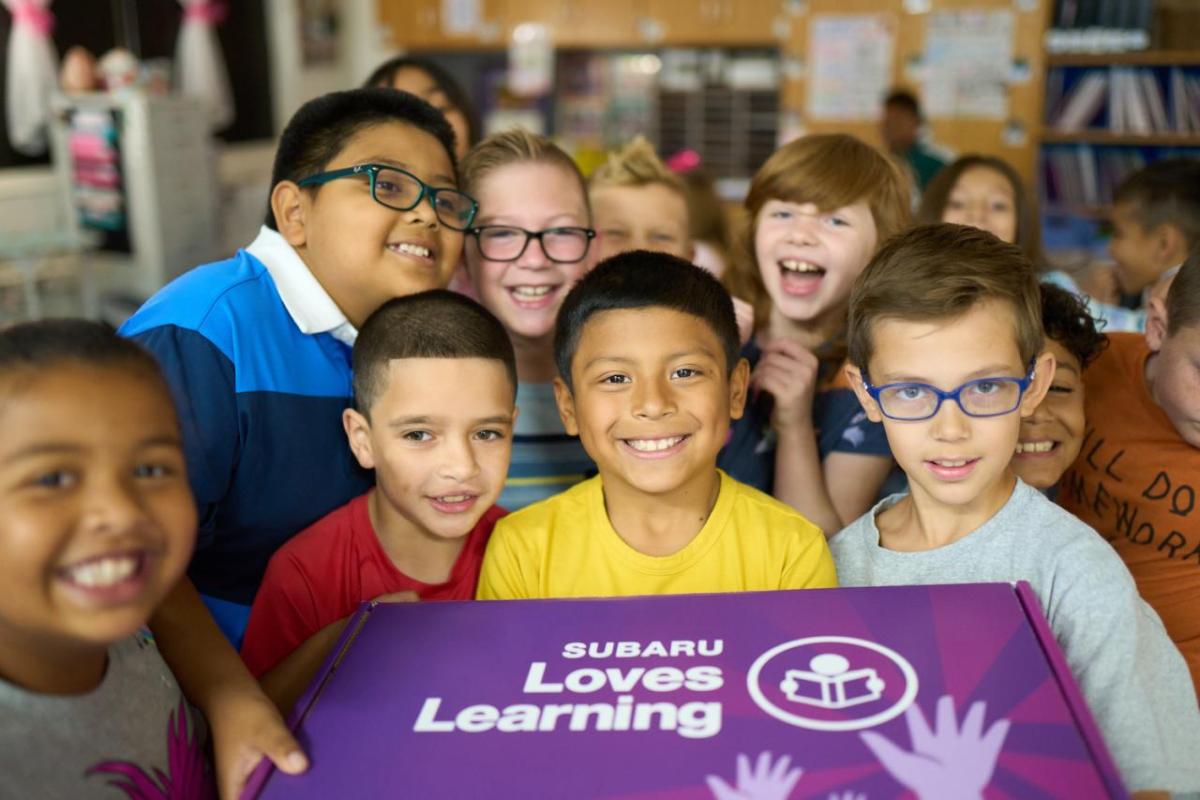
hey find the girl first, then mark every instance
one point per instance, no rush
(531, 242)
(436, 86)
(818, 209)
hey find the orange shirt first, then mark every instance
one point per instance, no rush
(1135, 482)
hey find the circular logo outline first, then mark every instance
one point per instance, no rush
(912, 684)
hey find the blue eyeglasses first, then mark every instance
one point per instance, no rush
(982, 397)
(401, 190)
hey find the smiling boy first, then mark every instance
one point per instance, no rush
(646, 346)
(946, 350)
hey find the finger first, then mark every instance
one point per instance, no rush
(946, 723)
(790, 780)
(972, 727)
(893, 759)
(720, 789)
(993, 740)
(283, 750)
(763, 767)
(780, 769)
(792, 349)
(743, 769)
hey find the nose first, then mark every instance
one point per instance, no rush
(803, 229)
(652, 399)
(112, 505)
(423, 212)
(458, 461)
(950, 423)
(534, 256)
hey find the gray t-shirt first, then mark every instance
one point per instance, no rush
(1133, 677)
(134, 735)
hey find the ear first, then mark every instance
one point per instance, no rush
(358, 433)
(739, 382)
(1043, 376)
(1171, 244)
(566, 406)
(289, 204)
(1156, 322)
(854, 375)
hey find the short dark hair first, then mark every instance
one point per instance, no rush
(385, 75)
(902, 98)
(1066, 320)
(643, 279)
(437, 323)
(940, 271)
(322, 127)
(1166, 192)
(1183, 298)
(34, 347)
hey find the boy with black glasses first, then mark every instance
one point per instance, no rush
(946, 350)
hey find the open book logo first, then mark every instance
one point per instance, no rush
(832, 683)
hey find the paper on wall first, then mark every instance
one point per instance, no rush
(968, 60)
(850, 65)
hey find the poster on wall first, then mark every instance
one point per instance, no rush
(850, 65)
(925, 691)
(968, 63)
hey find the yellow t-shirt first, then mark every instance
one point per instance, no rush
(566, 547)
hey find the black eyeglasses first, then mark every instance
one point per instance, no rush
(402, 191)
(983, 397)
(508, 243)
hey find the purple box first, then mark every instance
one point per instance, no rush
(914, 691)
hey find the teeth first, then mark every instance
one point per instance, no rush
(962, 462)
(414, 250)
(654, 445)
(532, 291)
(104, 572)
(454, 498)
(1035, 447)
(804, 267)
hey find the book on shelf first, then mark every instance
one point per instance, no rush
(1142, 101)
(1083, 176)
(1100, 26)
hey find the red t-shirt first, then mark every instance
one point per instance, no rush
(323, 573)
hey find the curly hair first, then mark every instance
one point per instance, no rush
(1066, 320)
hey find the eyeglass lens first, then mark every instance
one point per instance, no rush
(402, 191)
(979, 398)
(502, 243)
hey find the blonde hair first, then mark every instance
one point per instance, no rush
(830, 171)
(636, 164)
(516, 146)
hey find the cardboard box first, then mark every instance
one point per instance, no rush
(702, 696)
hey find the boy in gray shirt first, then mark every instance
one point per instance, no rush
(945, 346)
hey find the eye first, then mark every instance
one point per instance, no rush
(838, 222)
(987, 387)
(489, 435)
(417, 436)
(614, 232)
(616, 379)
(780, 213)
(1062, 389)
(685, 372)
(153, 470)
(56, 479)
(910, 392)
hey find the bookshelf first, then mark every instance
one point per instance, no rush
(1122, 139)
(1143, 58)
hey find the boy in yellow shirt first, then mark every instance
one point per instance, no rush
(647, 352)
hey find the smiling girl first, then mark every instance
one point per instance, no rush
(818, 209)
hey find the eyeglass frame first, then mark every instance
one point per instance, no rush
(954, 394)
(589, 233)
(372, 172)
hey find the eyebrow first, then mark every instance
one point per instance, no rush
(67, 448)
(425, 419)
(991, 371)
(567, 216)
(700, 351)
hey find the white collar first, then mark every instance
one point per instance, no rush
(310, 306)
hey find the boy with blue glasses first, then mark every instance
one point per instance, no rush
(946, 350)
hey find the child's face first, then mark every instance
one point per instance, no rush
(952, 458)
(1134, 249)
(439, 438)
(651, 401)
(364, 253)
(983, 198)
(1052, 434)
(525, 294)
(809, 258)
(650, 217)
(1173, 374)
(97, 521)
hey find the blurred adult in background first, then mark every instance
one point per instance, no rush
(436, 86)
(900, 127)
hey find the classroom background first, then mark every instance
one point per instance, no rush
(138, 134)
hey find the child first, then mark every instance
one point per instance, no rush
(1052, 434)
(257, 348)
(986, 192)
(433, 84)
(639, 204)
(531, 243)
(946, 351)
(818, 207)
(439, 454)
(1156, 223)
(646, 347)
(1136, 478)
(96, 526)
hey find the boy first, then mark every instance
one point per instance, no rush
(96, 526)
(434, 383)
(639, 204)
(1135, 479)
(649, 378)
(1156, 223)
(945, 342)
(257, 348)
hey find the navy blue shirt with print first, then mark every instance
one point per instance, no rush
(260, 403)
(841, 424)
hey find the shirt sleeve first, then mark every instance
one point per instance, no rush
(502, 576)
(1134, 678)
(203, 386)
(284, 616)
(811, 566)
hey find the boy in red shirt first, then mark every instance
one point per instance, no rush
(434, 388)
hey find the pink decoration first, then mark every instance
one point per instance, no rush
(684, 161)
(210, 13)
(28, 12)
